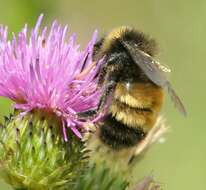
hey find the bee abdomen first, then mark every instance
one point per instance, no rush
(118, 135)
(133, 117)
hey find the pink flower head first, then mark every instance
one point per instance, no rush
(48, 71)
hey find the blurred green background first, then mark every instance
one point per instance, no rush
(180, 28)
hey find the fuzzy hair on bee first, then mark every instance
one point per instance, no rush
(134, 82)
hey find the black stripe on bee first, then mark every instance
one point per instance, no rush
(117, 135)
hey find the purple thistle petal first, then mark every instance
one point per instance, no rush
(64, 131)
(46, 70)
(76, 132)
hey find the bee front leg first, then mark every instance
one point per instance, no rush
(109, 89)
(109, 77)
(87, 114)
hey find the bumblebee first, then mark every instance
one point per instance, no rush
(134, 85)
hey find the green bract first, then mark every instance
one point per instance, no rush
(33, 154)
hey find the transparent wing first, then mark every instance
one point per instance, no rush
(147, 64)
(154, 72)
(176, 100)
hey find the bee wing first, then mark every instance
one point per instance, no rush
(147, 64)
(176, 100)
(153, 71)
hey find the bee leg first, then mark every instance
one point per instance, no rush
(110, 81)
(87, 114)
(112, 76)
(109, 89)
(102, 75)
(103, 100)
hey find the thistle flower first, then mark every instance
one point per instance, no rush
(48, 71)
(49, 79)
